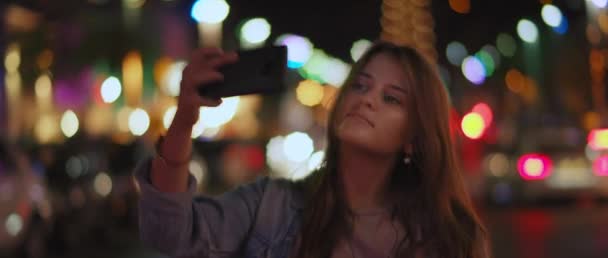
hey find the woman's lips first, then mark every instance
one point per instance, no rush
(360, 116)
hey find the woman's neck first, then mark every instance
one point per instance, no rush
(365, 178)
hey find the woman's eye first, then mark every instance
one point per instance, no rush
(359, 87)
(392, 100)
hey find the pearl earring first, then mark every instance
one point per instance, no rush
(407, 160)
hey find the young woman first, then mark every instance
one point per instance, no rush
(389, 186)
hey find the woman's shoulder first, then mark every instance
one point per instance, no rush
(282, 190)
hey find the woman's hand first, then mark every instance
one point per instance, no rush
(200, 71)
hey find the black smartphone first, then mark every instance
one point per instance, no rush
(257, 71)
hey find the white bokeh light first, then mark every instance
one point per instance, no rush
(336, 72)
(551, 15)
(168, 116)
(139, 122)
(110, 89)
(69, 123)
(210, 11)
(174, 78)
(13, 224)
(359, 48)
(255, 30)
(527, 31)
(298, 146)
(299, 49)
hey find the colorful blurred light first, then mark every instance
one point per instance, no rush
(139, 122)
(110, 89)
(600, 166)
(13, 224)
(527, 31)
(487, 61)
(298, 146)
(255, 30)
(12, 60)
(473, 70)
(473, 125)
(562, 28)
(534, 166)
(299, 49)
(456, 52)
(515, 80)
(599, 3)
(315, 66)
(460, 6)
(102, 184)
(309, 93)
(359, 48)
(133, 78)
(316, 160)
(493, 52)
(506, 44)
(552, 16)
(47, 128)
(69, 123)
(210, 11)
(168, 116)
(174, 78)
(218, 116)
(598, 139)
(335, 71)
(485, 111)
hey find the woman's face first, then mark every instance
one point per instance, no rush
(373, 113)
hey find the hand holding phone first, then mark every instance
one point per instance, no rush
(257, 71)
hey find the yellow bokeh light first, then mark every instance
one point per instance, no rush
(309, 93)
(46, 129)
(122, 119)
(534, 167)
(12, 59)
(473, 125)
(133, 75)
(69, 123)
(44, 91)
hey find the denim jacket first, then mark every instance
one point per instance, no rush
(258, 219)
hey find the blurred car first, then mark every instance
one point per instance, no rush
(548, 166)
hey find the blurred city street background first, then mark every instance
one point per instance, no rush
(87, 86)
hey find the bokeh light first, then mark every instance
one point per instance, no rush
(47, 128)
(102, 184)
(298, 146)
(506, 44)
(315, 161)
(13, 224)
(473, 125)
(210, 11)
(255, 30)
(460, 6)
(498, 164)
(139, 122)
(12, 60)
(110, 89)
(527, 31)
(473, 70)
(168, 116)
(552, 16)
(315, 66)
(598, 139)
(174, 77)
(299, 49)
(515, 80)
(335, 71)
(563, 26)
(359, 48)
(69, 123)
(456, 52)
(599, 3)
(600, 166)
(534, 166)
(485, 111)
(218, 116)
(487, 61)
(309, 93)
(494, 53)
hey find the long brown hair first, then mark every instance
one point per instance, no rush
(430, 196)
